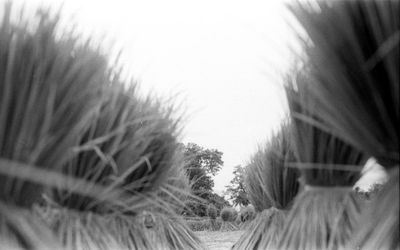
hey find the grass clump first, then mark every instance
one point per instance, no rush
(277, 183)
(247, 213)
(325, 214)
(72, 131)
(228, 216)
(212, 212)
(352, 52)
(48, 95)
(47, 100)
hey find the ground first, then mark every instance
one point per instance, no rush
(219, 240)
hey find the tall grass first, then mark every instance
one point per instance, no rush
(352, 50)
(269, 172)
(47, 99)
(129, 146)
(78, 143)
(326, 212)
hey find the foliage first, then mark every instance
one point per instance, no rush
(275, 184)
(236, 188)
(201, 164)
(204, 224)
(196, 207)
(176, 190)
(212, 212)
(218, 201)
(208, 159)
(247, 213)
(228, 214)
(269, 177)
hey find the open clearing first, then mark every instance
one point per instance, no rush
(215, 240)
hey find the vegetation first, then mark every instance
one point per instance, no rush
(212, 212)
(228, 217)
(72, 131)
(352, 59)
(228, 214)
(270, 173)
(246, 216)
(328, 190)
(236, 188)
(85, 163)
(247, 213)
(204, 224)
(201, 165)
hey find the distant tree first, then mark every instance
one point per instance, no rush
(208, 159)
(236, 188)
(201, 165)
(218, 201)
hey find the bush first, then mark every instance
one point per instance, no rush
(204, 225)
(247, 213)
(228, 214)
(212, 212)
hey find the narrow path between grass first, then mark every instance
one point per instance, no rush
(215, 240)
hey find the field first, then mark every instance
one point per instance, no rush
(217, 240)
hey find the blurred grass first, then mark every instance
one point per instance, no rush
(100, 165)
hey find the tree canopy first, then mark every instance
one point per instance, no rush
(201, 165)
(236, 189)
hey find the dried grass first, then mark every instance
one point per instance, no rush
(263, 232)
(269, 172)
(352, 58)
(70, 127)
(376, 231)
(321, 218)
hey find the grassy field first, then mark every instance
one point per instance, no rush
(217, 240)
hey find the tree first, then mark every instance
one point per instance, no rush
(201, 165)
(236, 188)
(208, 159)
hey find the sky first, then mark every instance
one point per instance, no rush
(222, 61)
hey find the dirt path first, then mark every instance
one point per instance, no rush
(219, 240)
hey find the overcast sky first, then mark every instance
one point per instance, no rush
(223, 58)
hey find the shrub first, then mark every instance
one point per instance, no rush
(272, 186)
(248, 213)
(228, 214)
(212, 212)
(204, 225)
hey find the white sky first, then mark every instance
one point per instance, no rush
(224, 58)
